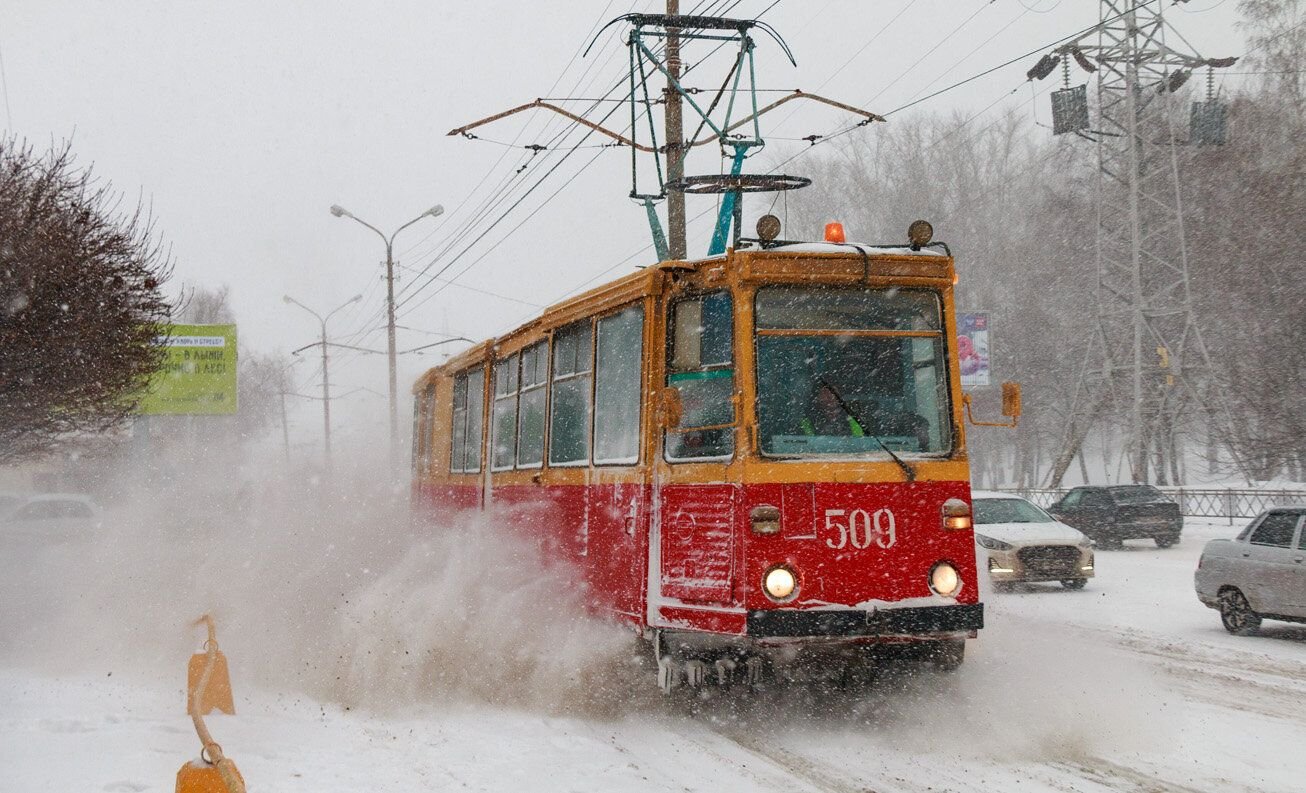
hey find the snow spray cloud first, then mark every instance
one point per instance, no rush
(269, 559)
(475, 612)
(324, 586)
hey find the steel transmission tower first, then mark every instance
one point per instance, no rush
(1146, 360)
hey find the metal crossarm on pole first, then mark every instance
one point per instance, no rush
(1147, 363)
(738, 138)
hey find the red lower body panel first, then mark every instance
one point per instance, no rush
(855, 549)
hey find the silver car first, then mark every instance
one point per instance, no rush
(51, 518)
(1260, 574)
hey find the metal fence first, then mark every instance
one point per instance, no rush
(1198, 503)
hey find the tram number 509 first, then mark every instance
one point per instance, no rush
(860, 528)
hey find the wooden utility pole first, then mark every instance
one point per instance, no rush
(675, 135)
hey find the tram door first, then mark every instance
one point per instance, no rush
(695, 545)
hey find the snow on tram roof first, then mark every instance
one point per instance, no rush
(842, 247)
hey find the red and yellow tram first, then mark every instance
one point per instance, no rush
(752, 451)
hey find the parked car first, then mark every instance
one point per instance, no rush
(1025, 544)
(52, 517)
(1111, 515)
(1260, 574)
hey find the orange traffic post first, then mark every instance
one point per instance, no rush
(217, 694)
(209, 687)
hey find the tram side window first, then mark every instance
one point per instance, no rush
(617, 387)
(530, 431)
(504, 428)
(423, 414)
(701, 367)
(465, 454)
(569, 419)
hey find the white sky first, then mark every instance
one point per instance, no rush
(240, 123)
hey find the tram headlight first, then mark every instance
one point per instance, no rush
(780, 583)
(945, 580)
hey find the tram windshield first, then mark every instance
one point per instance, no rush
(851, 372)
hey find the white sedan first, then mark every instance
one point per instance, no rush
(1019, 542)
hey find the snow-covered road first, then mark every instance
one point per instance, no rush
(1129, 685)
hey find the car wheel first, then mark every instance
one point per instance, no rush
(1074, 583)
(1167, 540)
(948, 655)
(1237, 615)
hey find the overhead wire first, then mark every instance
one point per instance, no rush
(569, 128)
(575, 54)
(911, 103)
(517, 203)
(552, 144)
(505, 183)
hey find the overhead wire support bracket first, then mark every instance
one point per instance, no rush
(738, 138)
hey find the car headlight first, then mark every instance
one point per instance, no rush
(780, 583)
(945, 580)
(992, 544)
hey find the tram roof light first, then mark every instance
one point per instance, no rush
(919, 234)
(768, 227)
(834, 232)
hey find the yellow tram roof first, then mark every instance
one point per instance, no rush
(748, 264)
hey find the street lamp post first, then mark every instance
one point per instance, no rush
(434, 211)
(326, 375)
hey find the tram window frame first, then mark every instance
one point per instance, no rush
(506, 380)
(691, 368)
(541, 354)
(635, 397)
(940, 427)
(564, 371)
(461, 426)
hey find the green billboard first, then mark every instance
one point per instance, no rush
(198, 377)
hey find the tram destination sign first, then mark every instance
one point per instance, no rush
(198, 377)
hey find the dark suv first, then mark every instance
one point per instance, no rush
(1111, 515)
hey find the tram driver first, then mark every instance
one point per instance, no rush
(828, 415)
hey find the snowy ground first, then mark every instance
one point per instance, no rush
(1129, 685)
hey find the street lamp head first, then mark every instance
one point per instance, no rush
(340, 211)
(355, 298)
(287, 299)
(436, 211)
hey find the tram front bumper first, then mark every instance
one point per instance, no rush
(901, 622)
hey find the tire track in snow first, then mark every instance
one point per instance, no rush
(650, 761)
(1114, 776)
(1229, 678)
(809, 770)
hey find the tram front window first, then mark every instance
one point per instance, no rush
(851, 372)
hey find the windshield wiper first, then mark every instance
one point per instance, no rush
(907, 469)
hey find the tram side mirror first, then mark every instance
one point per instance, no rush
(1011, 399)
(1010, 407)
(670, 408)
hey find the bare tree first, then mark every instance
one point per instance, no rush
(81, 311)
